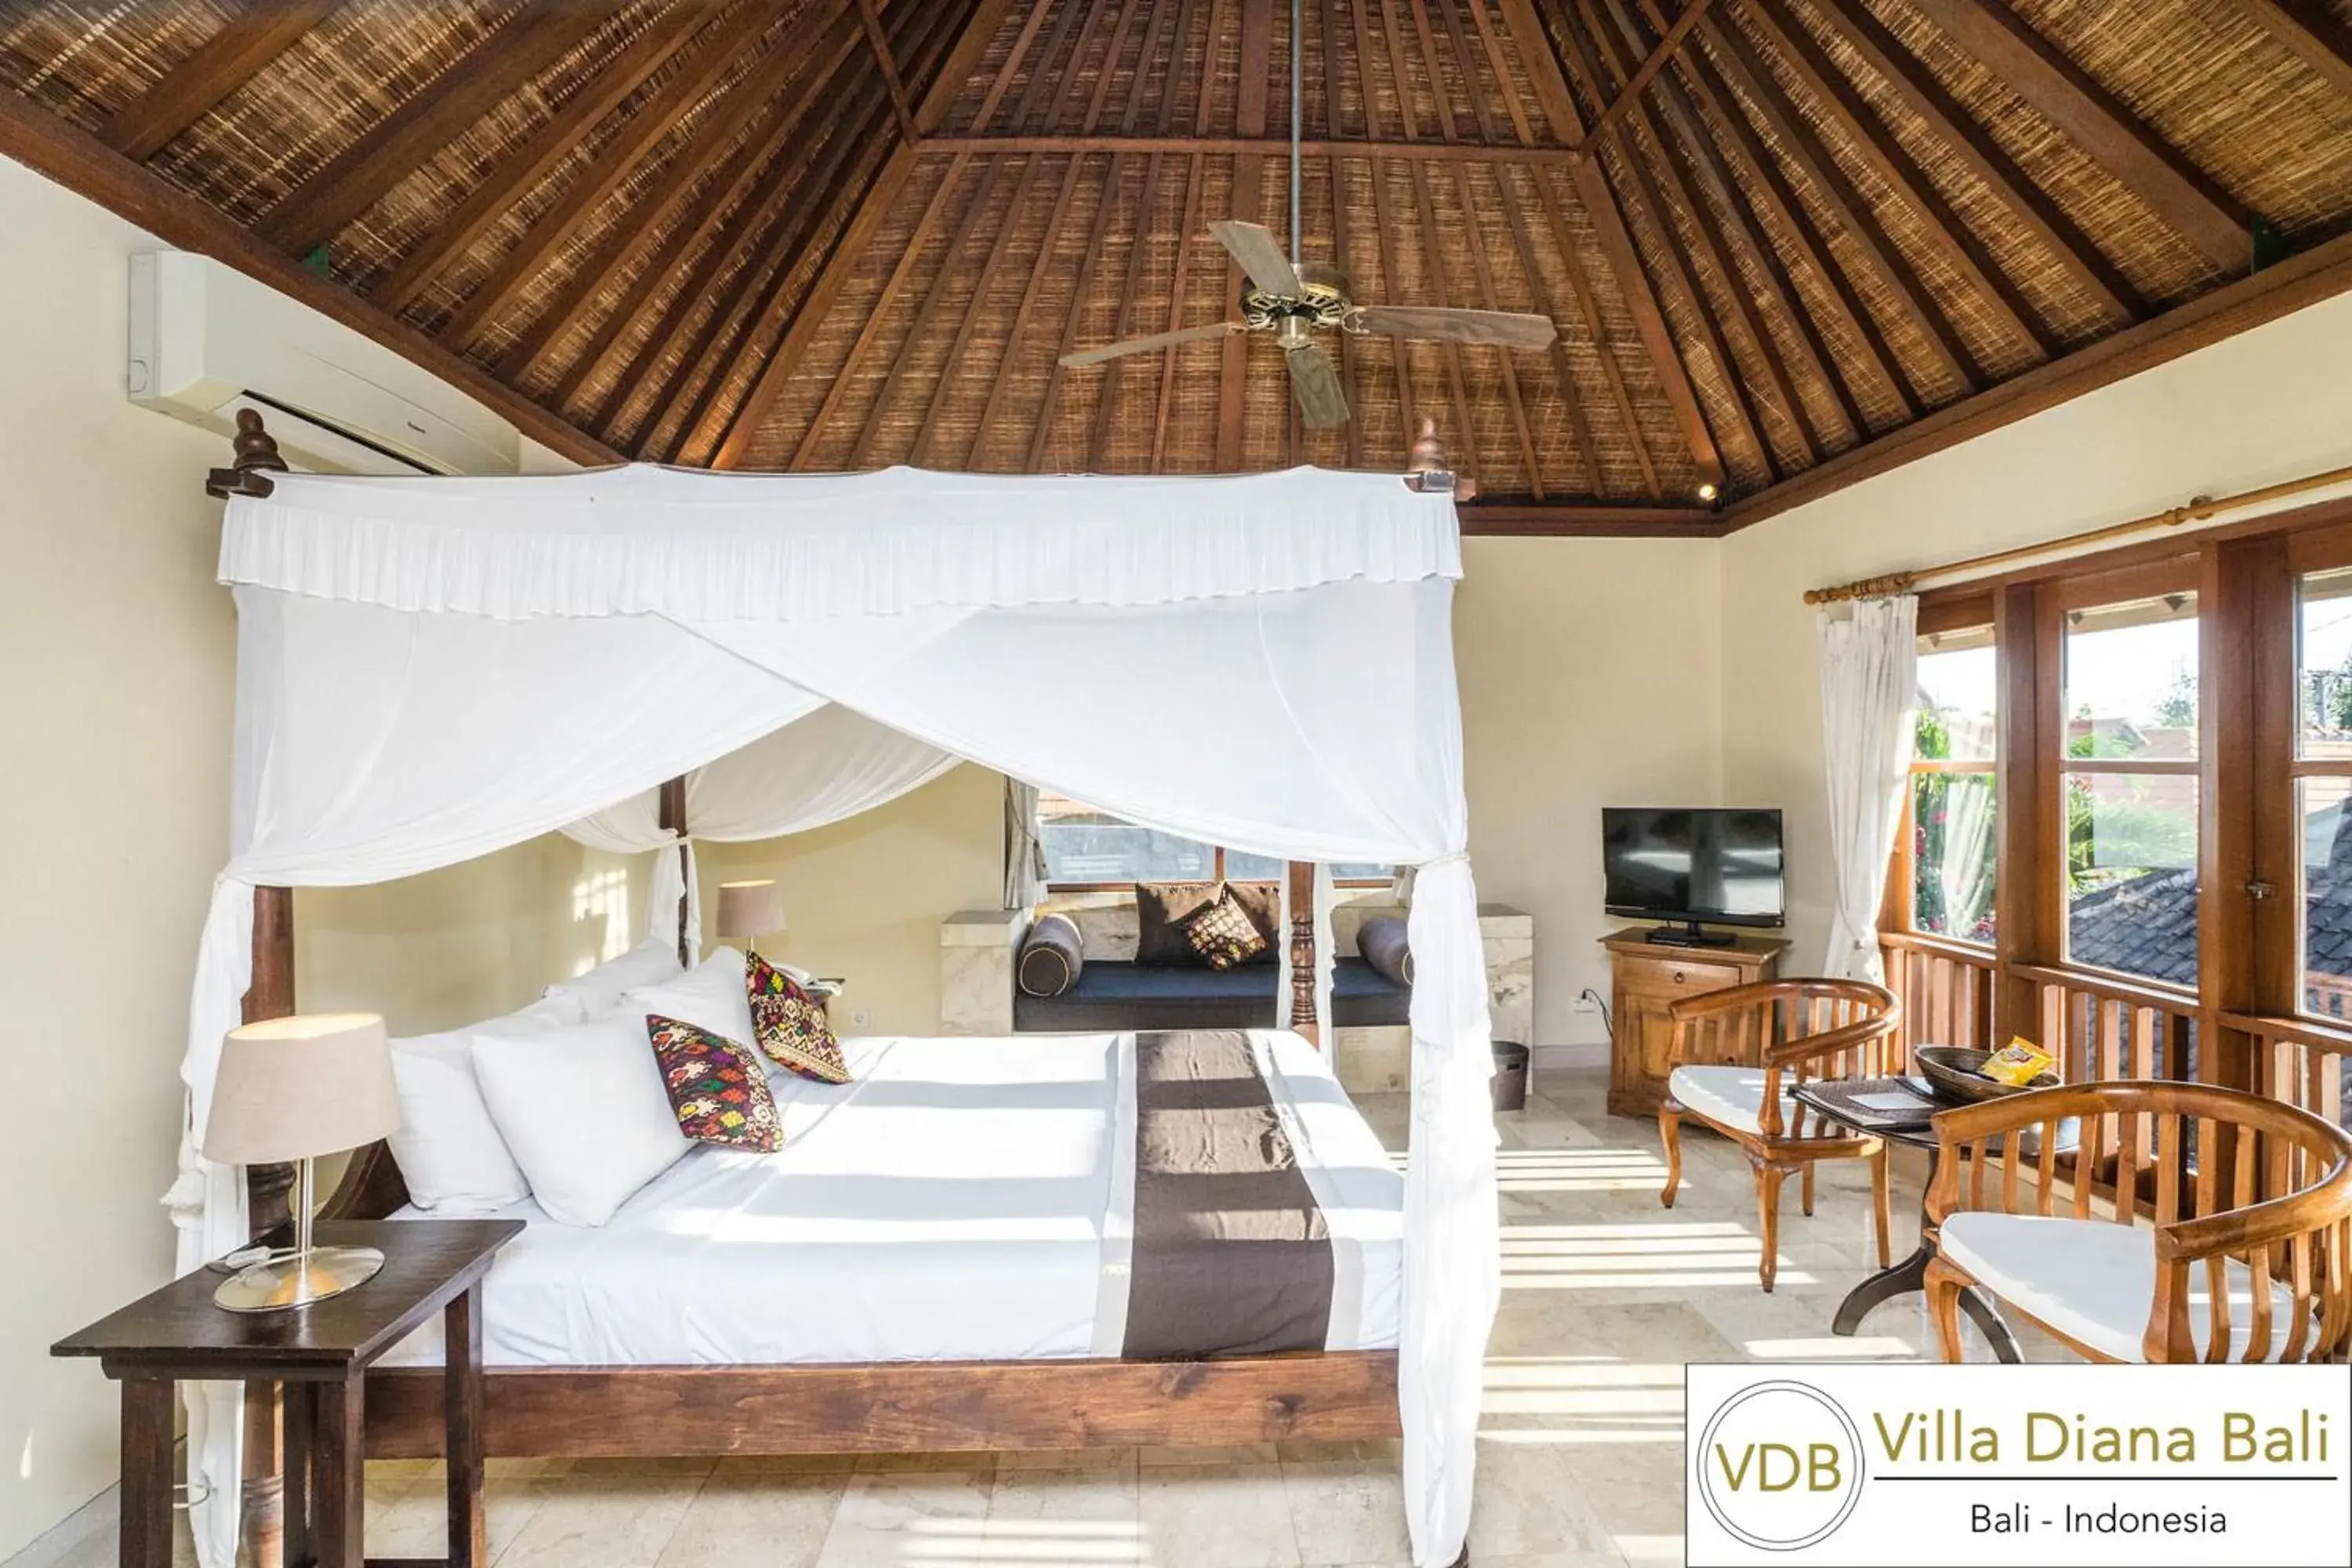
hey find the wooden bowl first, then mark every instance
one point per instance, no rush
(1953, 1076)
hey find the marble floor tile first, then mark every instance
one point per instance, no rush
(896, 1519)
(1345, 1511)
(600, 1520)
(1217, 1516)
(756, 1522)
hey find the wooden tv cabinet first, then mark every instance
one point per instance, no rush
(1647, 979)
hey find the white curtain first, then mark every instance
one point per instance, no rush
(1024, 851)
(430, 671)
(1870, 662)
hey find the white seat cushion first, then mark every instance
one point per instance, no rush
(1730, 1096)
(2094, 1280)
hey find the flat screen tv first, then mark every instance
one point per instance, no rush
(1693, 865)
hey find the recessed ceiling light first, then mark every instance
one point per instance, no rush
(1706, 490)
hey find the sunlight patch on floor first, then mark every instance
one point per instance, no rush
(1056, 1542)
(1631, 1257)
(1829, 1347)
(1577, 1170)
(1634, 1392)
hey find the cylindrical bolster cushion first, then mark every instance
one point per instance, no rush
(1382, 943)
(1051, 957)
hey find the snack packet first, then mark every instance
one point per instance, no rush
(2018, 1063)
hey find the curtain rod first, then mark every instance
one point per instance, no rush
(2199, 508)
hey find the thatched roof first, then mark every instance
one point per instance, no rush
(848, 233)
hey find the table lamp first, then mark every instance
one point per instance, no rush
(294, 1089)
(749, 909)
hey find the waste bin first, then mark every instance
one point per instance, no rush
(1510, 1076)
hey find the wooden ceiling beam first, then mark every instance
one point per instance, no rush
(735, 333)
(1644, 202)
(1144, 144)
(1910, 79)
(871, 16)
(78, 161)
(1585, 520)
(1731, 214)
(2301, 281)
(1248, 195)
(738, 231)
(1550, 83)
(1055, 374)
(1030, 169)
(805, 451)
(1114, 371)
(257, 34)
(1849, 210)
(532, 38)
(983, 201)
(1663, 50)
(639, 138)
(1031, 286)
(711, 222)
(1775, 202)
(2180, 193)
(1400, 351)
(979, 31)
(1466, 445)
(2305, 26)
(871, 206)
(1188, 230)
(513, 178)
(1953, 239)
(1481, 265)
(712, 140)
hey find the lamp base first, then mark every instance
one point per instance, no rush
(298, 1281)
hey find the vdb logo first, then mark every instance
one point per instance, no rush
(1781, 1466)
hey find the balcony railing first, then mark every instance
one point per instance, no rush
(1946, 989)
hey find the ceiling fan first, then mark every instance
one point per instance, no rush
(1296, 300)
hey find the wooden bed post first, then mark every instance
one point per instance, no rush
(270, 994)
(672, 819)
(1302, 952)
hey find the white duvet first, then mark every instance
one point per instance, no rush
(962, 1199)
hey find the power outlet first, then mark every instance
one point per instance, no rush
(860, 1017)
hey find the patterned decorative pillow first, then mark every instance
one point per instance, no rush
(1222, 933)
(716, 1088)
(790, 1024)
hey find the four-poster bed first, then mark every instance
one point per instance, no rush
(713, 625)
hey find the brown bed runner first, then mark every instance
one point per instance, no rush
(1233, 1256)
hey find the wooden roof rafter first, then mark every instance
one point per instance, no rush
(257, 34)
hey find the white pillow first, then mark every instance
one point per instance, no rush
(600, 990)
(711, 996)
(448, 1151)
(583, 1111)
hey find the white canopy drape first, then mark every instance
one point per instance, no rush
(431, 669)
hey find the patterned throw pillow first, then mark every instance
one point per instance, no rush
(718, 1089)
(1222, 933)
(790, 1024)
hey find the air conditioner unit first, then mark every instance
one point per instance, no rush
(207, 340)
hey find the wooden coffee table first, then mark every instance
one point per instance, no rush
(1908, 1276)
(320, 1354)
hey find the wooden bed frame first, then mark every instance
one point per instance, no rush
(859, 1408)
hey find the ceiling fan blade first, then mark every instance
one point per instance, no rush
(1260, 254)
(1503, 328)
(1156, 341)
(1315, 382)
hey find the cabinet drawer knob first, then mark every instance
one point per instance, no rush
(1680, 977)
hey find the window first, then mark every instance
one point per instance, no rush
(2323, 788)
(1089, 849)
(1952, 840)
(2130, 783)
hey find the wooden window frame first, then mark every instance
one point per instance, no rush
(1216, 874)
(2245, 1012)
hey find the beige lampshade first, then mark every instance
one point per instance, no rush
(289, 1088)
(748, 910)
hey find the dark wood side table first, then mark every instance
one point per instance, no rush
(1908, 1275)
(320, 1354)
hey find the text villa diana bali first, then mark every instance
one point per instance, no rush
(1948, 1437)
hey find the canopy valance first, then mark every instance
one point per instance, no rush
(431, 669)
(720, 546)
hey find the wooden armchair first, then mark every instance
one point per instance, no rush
(2249, 1257)
(1736, 1056)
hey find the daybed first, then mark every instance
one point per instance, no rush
(431, 669)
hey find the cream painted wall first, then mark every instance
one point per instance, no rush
(1590, 671)
(864, 897)
(2272, 403)
(114, 790)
